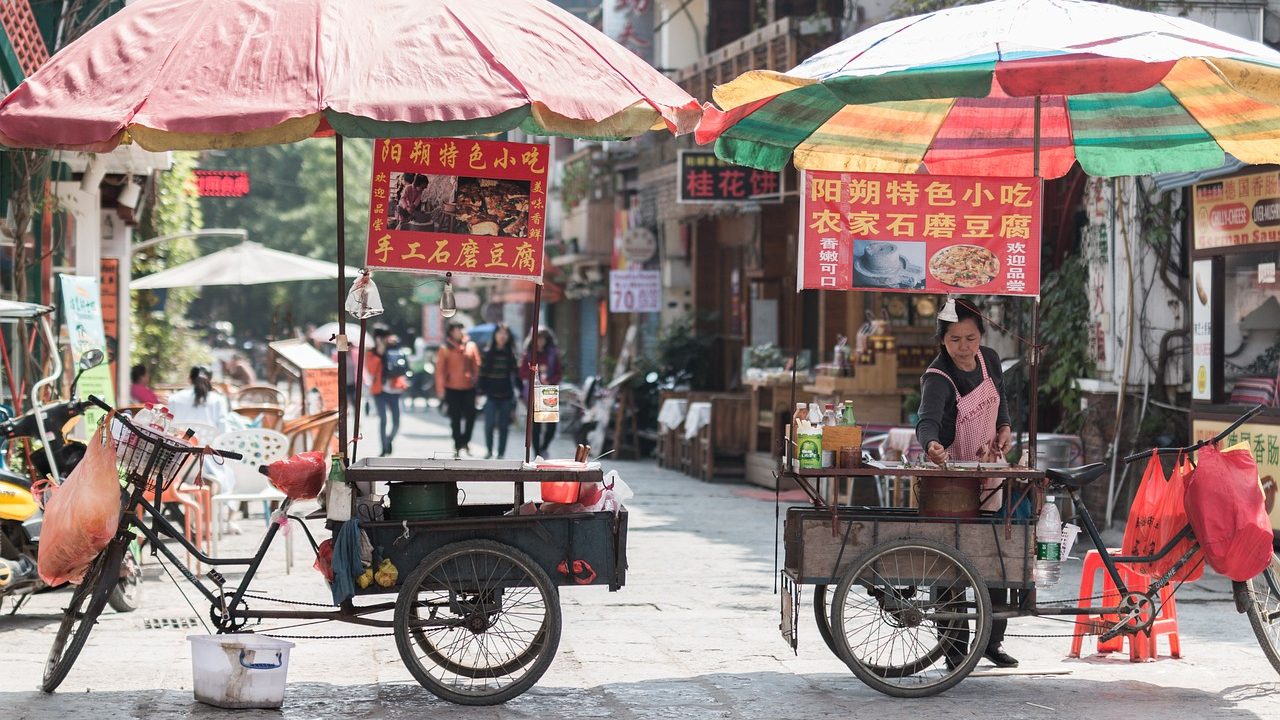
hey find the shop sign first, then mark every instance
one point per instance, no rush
(1239, 210)
(82, 306)
(109, 280)
(222, 183)
(1264, 441)
(920, 233)
(469, 207)
(705, 178)
(630, 24)
(635, 291)
(1202, 330)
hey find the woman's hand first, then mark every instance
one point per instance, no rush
(1004, 440)
(936, 452)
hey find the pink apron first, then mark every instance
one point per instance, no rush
(976, 415)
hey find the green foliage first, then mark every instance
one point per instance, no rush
(680, 347)
(161, 338)
(1064, 332)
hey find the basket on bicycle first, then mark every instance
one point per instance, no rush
(149, 456)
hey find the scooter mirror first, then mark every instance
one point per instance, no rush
(91, 358)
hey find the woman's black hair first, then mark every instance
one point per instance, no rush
(137, 372)
(201, 382)
(493, 341)
(964, 311)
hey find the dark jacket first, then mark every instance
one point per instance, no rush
(499, 378)
(937, 417)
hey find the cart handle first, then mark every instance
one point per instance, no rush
(1192, 448)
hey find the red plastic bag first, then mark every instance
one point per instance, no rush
(300, 477)
(1225, 505)
(1172, 518)
(1141, 529)
(81, 515)
(324, 560)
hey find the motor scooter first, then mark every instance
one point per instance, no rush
(20, 516)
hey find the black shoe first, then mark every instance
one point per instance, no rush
(954, 661)
(1000, 658)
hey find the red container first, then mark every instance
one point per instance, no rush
(560, 492)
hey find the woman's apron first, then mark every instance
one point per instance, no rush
(976, 415)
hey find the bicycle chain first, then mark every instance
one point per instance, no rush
(326, 637)
(252, 596)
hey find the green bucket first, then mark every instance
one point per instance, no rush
(424, 501)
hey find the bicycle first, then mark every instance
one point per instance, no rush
(910, 613)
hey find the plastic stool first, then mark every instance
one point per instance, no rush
(1142, 646)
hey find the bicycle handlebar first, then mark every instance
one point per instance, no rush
(98, 402)
(1192, 448)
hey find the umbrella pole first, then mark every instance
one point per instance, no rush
(343, 347)
(533, 371)
(1033, 372)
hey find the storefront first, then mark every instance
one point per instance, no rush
(1235, 308)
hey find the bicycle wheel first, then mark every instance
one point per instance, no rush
(822, 604)
(81, 614)
(1264, 610)
(477, 622)
(902, 609)
(126, 596)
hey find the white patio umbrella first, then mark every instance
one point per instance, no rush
(248, 263)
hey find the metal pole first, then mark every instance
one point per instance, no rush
(1033, 371)
(533, 370)
(343, 348)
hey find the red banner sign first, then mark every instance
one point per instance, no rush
(222, 183)
(920, 233)
(463, 206)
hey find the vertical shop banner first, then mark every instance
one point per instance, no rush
(82, 306)
(705, 178)
(1240, 210)
(920, 233)
(109, 276)
(1264, 441)
(630, 24)
(463, 206)
(1202, 330)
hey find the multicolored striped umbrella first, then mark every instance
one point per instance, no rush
(198, 74)
(1121, 91)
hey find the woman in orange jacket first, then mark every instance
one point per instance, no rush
(457, 372)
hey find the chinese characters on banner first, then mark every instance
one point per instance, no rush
(920, 233)
(463, 206)
(706, 178)
(222, 183)
(630, 24)
(1240, 210)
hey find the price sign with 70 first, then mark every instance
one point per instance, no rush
(635, 291)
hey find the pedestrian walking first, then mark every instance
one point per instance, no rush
(387, 367)
(457, 371)
(499, 379)
(549, 373)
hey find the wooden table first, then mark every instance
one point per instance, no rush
(806, 477)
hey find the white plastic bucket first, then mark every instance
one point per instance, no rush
(239, 670)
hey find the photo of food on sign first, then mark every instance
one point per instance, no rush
(964, 266)
(420, 202)
(879, 264)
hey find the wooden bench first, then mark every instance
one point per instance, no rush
(721, 445)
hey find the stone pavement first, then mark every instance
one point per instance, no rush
(692, 635)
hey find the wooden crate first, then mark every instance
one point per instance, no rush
(816, 555)
(867, 377)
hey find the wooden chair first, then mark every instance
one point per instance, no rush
(314, 432)
(256, 395)
(722, 444)
(668, 449)
(272, 415)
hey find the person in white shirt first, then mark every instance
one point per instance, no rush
(200, 403)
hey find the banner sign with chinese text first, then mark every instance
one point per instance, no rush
(1241, 210)
(635, 291)
(706, 178)
(920, 233)
(222, 183)
(463, 206)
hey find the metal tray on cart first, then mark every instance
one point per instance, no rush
(820, 547)
(574, 549)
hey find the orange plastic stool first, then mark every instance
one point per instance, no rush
(1142, 646)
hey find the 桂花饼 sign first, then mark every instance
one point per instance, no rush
(705, 178)
(920, 233)
(464, 206)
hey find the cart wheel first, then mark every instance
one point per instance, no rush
(81, 614)
(477, 622)
(1264, 610)
(821, 616)
(903, 608)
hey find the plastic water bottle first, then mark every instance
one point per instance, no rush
(1048, 544)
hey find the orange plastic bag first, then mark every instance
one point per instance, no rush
(1141, 529)
(81, 515)
(1171, 519)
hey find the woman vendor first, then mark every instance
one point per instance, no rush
(964, 417)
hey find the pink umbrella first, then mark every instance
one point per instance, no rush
(198, 74)
(201, 74)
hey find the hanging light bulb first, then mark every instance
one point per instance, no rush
(448, 306)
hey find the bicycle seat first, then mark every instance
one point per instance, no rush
(1077, 477)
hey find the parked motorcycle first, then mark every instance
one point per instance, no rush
(20, 515)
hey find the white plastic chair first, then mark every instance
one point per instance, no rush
(258, 446)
